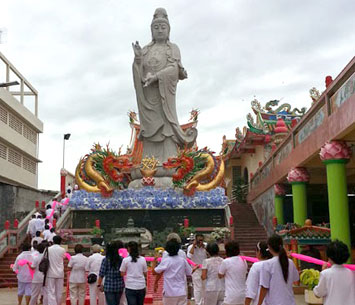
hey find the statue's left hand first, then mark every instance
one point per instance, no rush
(150, 78)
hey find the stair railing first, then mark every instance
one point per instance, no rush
(12, 239)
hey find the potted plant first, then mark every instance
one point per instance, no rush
(310, 278)
(97, 233)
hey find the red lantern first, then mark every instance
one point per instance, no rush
(37, 204)
(54, 223)
(231, 221)
(7, 225)
(43, 204)
(274, 221)
(97, 223)
(328, 81)
(186, 223)
(260, 163)
(15, 224)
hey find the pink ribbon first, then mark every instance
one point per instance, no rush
(68, 256)
(249, 259)
(23, 262)
(317, 261)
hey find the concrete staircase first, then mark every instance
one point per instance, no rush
(247, 230)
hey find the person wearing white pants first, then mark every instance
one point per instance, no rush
(197, 253)
(55, 274)
(93, 265)
(77, 279)
(37, 282)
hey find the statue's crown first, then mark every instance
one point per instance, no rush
(160, 15)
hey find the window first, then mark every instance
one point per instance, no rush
(15, 123)
(3, 115)
(3, 151)
(15, 157)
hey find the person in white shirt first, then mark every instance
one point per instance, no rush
(134, 267)
(175, 270)
(77, 279)
(214, 290)
(31, 228)
(39, 224)
(55, 274)
(37, 282)
(234, 270)
(253, 280)
(181, 253)
(46, 233)
(51, 235)
(49, 213)
(24, 277)
(197, 253)
(38, 238)
(336, 284)
(93, 265)
(277, 275)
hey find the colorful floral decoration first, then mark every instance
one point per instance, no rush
(279, 190)
(298, 174)
(149, 198)
(102, 171)
(196, 170)
(335, 150)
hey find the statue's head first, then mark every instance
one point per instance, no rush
(160, 26)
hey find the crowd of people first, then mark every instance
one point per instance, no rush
(115, 280)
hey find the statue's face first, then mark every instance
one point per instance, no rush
(160, 32)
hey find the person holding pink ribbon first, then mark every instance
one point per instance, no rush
(337, 283)
(24, 276)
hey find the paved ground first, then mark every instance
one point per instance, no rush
(8, 296)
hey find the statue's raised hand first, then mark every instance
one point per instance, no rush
(137, 49)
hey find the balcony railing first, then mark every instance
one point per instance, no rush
(331, 100)
(26, 89)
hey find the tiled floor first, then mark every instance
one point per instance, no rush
(8, 296)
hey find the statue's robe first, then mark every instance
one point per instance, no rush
(160, 129)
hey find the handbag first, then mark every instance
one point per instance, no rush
(92, 278)
(44, 265)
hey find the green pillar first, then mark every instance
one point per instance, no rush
(279, 209)
(299, 196)
(338, 200)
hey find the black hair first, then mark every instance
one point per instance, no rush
(39, 216)
(34, 216)
(46, 221)
(275, 242)
(48, 206)
(133, 250)
(112, 253)
(261, 246)
(199, 235)
(57, 240)
(78, 248)
(338, 252)
(26, 247)
(52, 229)
(41, 247)
(38, 233)
(232, 248)
(46, 227)
(172, 247)
(35, 244)
(212, 249)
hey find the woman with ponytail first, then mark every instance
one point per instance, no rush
(134, 267)
(253, 280)
(277, 276)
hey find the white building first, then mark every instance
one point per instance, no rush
(19, 128)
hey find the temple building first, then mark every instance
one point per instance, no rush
(293, 165)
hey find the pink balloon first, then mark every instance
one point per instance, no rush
(123, 252)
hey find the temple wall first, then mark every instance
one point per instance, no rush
(264, 209)
(251, 161)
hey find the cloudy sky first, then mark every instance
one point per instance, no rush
(78, 55)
